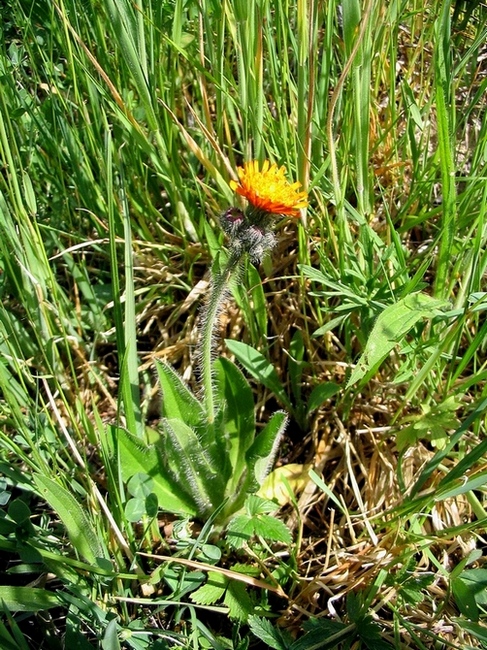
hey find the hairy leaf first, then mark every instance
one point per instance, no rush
(190, 466)
(178, 401)
(239, 426)
(135, 456)
(262, 453)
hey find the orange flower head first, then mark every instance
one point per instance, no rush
(268, 190)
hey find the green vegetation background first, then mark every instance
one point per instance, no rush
(120, 126)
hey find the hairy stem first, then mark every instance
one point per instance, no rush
(218, 289)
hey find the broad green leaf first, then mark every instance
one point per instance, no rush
(256, 505)
(178, 402)
(256, 521)
(134, 509)
(433, 424)
(28, 599)
(240, 530)
(390, 327)
(261, 455)
(140, 485)
(151, 504)
(465, 592)
(235, 393)
(137, 456)
(110, 638)
(19, 511)
(258, 366)
(80, 531)
(475, 629)
(190, 466)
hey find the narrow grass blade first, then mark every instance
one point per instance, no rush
(79, 529)
(446, 126)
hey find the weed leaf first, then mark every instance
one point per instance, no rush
(239, 426)
(273, 637)
(389, 329)
(135, 456)
(178, 401)
(260, 456)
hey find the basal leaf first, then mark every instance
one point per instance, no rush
(260, 456)
(178, 402)
(190, 466)
(239, 426)
(137, 456)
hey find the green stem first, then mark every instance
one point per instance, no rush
(218, 290)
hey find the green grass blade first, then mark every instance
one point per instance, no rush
(446, 126)
(74, 518)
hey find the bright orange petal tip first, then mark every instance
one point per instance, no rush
(267, 189)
